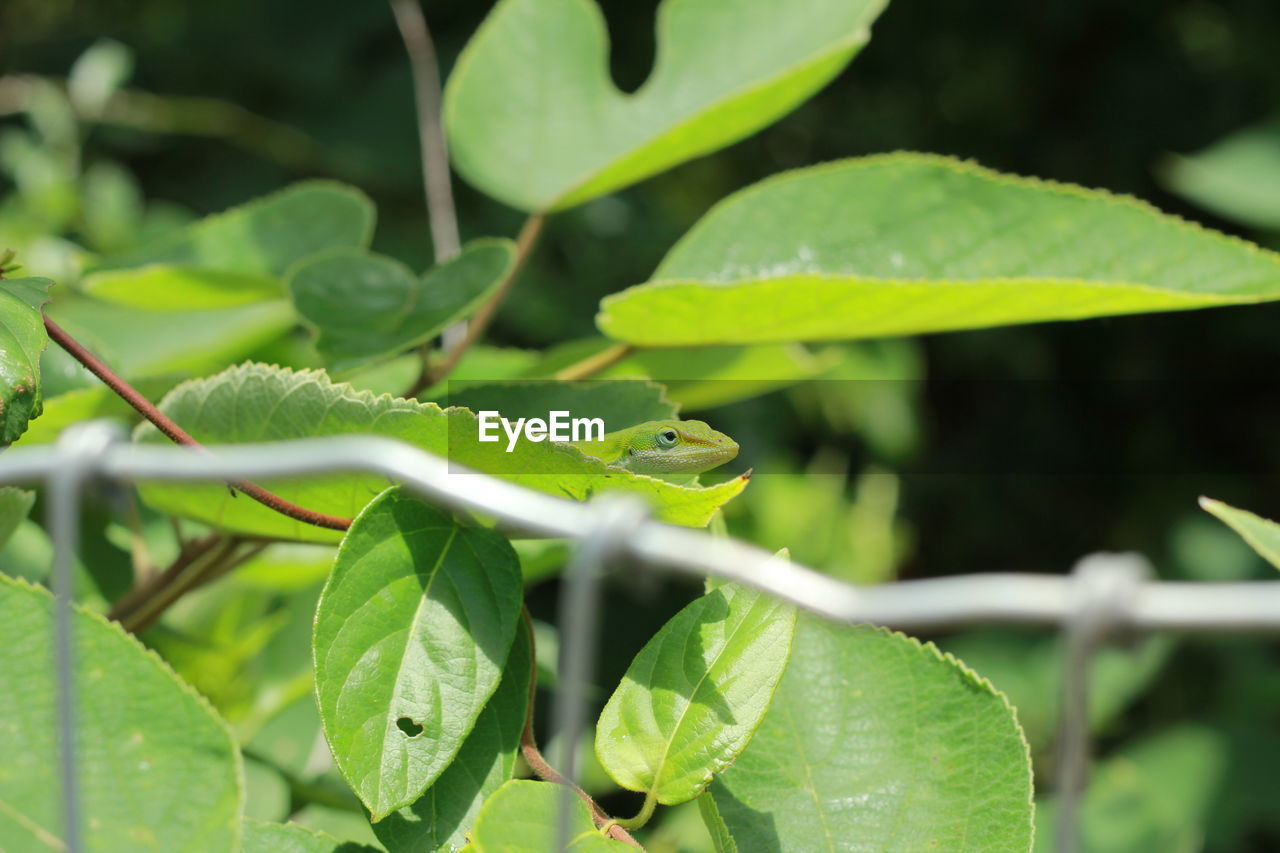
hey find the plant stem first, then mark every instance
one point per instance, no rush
(525, 242)
(533, 756)
(593, 364)
(179, 436)
(190, 553)
(435, 152)
(197, 574)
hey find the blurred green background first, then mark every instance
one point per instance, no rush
(891, 464)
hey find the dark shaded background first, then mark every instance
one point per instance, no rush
(1089, 91)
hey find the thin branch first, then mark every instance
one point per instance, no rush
(525, 242)
(435, 153)
(179, 436)
(190, 553)
(198, 574)
(151, 607)
(593, 364)
(534, 758)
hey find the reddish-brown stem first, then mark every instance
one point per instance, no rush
(539, 765)
(180, 436)
(480, 320)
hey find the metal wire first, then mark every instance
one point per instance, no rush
(91, 449)
(618, 516)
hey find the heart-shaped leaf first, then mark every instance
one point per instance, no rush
(254, 402)
(157, 769)
(521, 818)
(695, 694)
(535, 121)
(22, 339)
(908, 243)
(443, 816)
(412, 631)
(239, 256)
(369, 307)
(1262, 535)
(876, 737)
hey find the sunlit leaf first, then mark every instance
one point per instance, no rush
(157, 770)
(907, 243)
(693, 697)
(412, 632)
(22, 339)
(876, 737)
(445, 813)
(1261, 534)
(535, 120)
(160, 343)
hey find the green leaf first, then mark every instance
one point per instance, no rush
(369, 307)
(157, 769)
(695, 694)
(22, 339)
(240, 256)
(521, 818)
(620, 403)
(15, 506)
(535, 121)
(412, 631)
(1155, 794)
(875, 737)
(161, 343)
(909, 243)
(1237, 177)
(260, 836)
(1262, 535)
(254, 402)
(442, 817)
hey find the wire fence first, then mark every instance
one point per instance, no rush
(1105, 597)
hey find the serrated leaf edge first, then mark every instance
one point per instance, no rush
(237, 758)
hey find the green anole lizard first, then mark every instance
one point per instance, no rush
(663, 448)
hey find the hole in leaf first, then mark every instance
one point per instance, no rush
(408, 726)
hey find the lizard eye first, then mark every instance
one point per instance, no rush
(667, 437)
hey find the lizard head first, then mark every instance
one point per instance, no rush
(677, 447)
